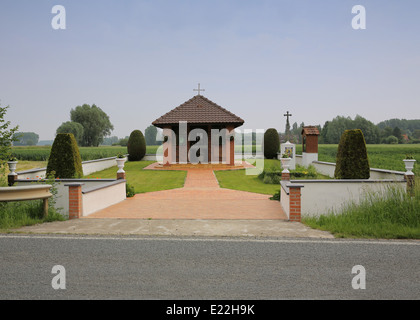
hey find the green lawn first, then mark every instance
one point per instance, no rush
(239, 180)
(145, 180)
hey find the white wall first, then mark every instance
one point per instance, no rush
(103, 198)
(320, 196)
(99, 193)
(284, 199)
(88, 168)
(328, 168)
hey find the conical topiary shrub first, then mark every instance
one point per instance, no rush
(64, 158)
(352, 159)
(271, 143)
(136, 146)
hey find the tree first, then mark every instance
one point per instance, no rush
(95, 122)
(6, 139)
(123, 142)
(72, 127)
(332, 131)
(397, 133)
(150, 135)
(65, 160)
(352, 159)
(109, 141)
(271, 143)
(136, 146)
(26, 139)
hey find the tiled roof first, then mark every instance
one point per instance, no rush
(199, 110)
(310, 130)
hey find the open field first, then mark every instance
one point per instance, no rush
(41, 153)
(381, 156)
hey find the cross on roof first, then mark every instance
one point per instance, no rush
(288, 115)
(199, 89)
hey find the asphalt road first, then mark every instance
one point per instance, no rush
(199, 268)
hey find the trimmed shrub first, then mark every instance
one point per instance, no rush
(136, 146)
(65, 160)
(352, 159)
(271, 143)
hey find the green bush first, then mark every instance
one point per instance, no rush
(129, 190)
(352, 160)
(64, 160)
(136, 146)
(276, 196)
(271, 143)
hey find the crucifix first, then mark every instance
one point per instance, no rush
(288, 115)
(287, 133)
(199, 89)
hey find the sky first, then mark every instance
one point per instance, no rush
(138, 59)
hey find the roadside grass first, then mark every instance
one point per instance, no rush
(391, 214)
(145, 180)
(25, 213)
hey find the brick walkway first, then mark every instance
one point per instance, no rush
(200, 198)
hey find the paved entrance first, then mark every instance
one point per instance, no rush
(200, 198)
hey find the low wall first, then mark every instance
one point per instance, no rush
(99, 197)
(320, 196)
(97, 194)
(89, 167)
(328, 168)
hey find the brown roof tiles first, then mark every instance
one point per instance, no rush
(199, 110)
(310, 130)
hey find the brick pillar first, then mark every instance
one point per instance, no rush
(410, 183)
(11, 179)
(295, 202)
(285, 175)
(120, 175)
(75, 200)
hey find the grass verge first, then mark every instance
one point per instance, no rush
(25, 213)
(391, 214)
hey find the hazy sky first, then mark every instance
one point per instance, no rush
(138, 59)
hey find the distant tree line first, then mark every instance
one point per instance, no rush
(25, 139)
(392, 131)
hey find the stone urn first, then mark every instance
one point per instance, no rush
(285, 163)
(12, 167)
(120, 164)
(409, 165)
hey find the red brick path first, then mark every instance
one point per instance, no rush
(200, 198)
